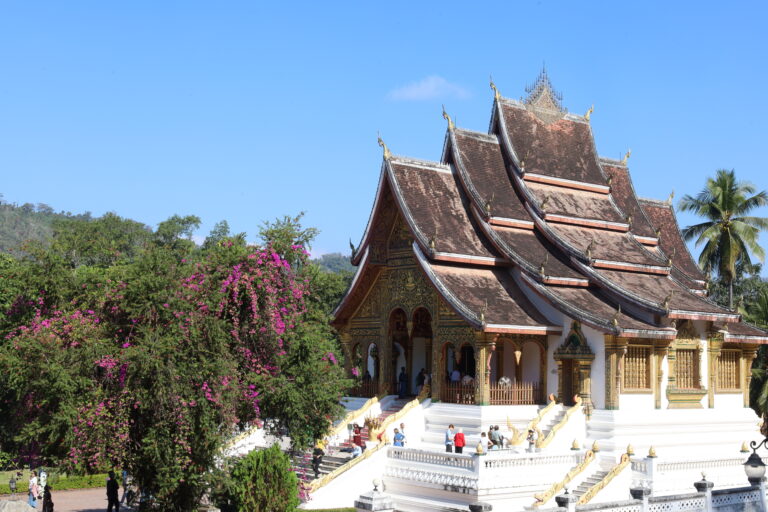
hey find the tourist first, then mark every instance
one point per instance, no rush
(357, 437)
(317, 458)
(399, 438)
(356, 451)
(484, 442)
(455, 376)
(43, 479)
(34, 490)
(113, 489)
(403, 381)
(449, 439)
(499, 437)
(531, 438)
(420, 378)
(47, 499)
(12, 482)
(459, 441)
(126, 481)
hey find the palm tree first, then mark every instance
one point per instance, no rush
(729, 235)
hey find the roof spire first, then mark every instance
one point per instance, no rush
(387, 153)
(496, 94)
(589, 112)
(626, 156)
(451, 126)
(541, 94)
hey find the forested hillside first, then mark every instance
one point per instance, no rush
(28, 222)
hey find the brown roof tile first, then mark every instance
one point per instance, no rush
(563, 149)
(575, 203)
(535, 250)
(431, 195)
(742, 332)
(663, 218)
(623, 193)
(486, 173)
(608, 245)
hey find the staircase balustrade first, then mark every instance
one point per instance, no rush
(456, 460)
(517, 436)
(544, 497)
(599, 486)
(543, 443)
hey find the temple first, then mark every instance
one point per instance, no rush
(521, 282)
(526, 261)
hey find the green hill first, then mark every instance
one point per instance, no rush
(28, 222)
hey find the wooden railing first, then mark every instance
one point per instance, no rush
(544, 497)
(365, 389)
(599, 486)
(519, 393)
(457, 393)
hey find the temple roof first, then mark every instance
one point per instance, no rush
(530, 210)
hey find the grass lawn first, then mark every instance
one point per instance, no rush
(59, 482)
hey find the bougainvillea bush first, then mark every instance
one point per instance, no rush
(149, 364)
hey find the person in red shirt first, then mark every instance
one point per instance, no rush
(459, 442)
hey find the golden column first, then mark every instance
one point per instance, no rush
(484, 347)
(660, 351)
(615, 348)
(585, 385)
(748, 353)
(438, 370)
(714, 347)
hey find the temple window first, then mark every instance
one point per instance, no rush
(688, 369)
(728, 370)
(637, 368)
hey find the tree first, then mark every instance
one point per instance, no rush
(728, 234)
(263, 481)
(284, 233)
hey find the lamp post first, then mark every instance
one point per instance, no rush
(754, 467)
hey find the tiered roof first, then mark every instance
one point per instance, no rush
(530, 209)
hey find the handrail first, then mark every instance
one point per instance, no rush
(342, 425)
(325, 479)
(557, 486)
(592, 491)
(517, 436)
(543, 443)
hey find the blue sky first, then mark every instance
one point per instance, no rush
(246, 111)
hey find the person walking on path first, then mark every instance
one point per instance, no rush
(449, 439)
(399, 438)
(47, 499)
(317, 458)
(403, 380)
(34, 490)
(459, 441)
(113, 489)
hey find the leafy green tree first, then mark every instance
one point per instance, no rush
(729, 235)
(284, 233)
(263, 481)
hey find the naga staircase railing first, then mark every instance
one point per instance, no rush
(517, 436)
(547, 495)
(544, 442)
(372, 435)
(599, 486)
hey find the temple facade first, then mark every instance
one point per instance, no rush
(523, 265)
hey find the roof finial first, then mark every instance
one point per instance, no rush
(543, 265)
(666, 302)
(615, 319)
(589, 113)
(609, 180)
(387, 153)
(482, 313)
(451, 126)
(543, 204)
(626, 156)
(496, 94)
(354, 249)
(589, 249)
(672, 256)
(671, 197)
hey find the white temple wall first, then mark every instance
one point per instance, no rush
(596, 342)
(664, 382)
(637, 401)
(530, 361)
(729, 401)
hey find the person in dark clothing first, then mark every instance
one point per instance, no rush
(420, 378)
(317, 459)
(113, 488)
(47, 499)
(403, 380)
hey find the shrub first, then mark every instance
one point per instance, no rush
(263, 481)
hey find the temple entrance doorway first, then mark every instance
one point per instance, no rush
(398, 339)
(467, 362)
(421, 343)
(568, 377)
(372, 363)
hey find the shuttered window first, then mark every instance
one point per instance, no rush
(637, 368)
(728, 370)
(687, 366)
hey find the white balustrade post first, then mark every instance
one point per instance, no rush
(706, 487)
(762, 495)
(651, 469)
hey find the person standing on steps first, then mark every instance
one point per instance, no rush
(420, 378)
(113, 489)
(531, 438)
(459, 441)
(34, 490)
(449, 439)
(399, 438)
(317, 458)
(402, 379)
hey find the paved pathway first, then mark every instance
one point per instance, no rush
(82, 500)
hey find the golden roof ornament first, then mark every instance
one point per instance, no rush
(589, 249)
(665, 304)
(615, 319)
(652, 452)
(496, 94)
(629, 220)
(487, 205)
(575, 445)
(671, 197)
(672, 256)
(626, 157)
(589, 113)
(451, 126)
(387, 153)
(432, 241)
(543, 204)
(482, 313)
(543, 265)
(630, 449)
(744, 448)
(609, 180)
(595, 447)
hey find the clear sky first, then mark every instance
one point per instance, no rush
(246, 111)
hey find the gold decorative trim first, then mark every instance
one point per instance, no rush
(544, 497)
(599, 486)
